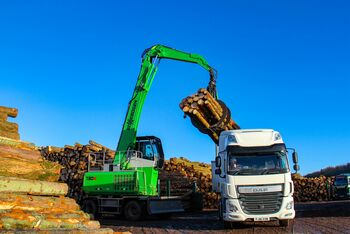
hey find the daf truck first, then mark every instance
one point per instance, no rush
(252, 174)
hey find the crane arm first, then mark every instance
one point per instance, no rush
(150, 60)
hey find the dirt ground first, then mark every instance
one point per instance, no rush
(312, 217)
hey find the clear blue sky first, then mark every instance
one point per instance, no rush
(71, 66)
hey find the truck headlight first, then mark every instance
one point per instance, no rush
(232, 208)
(289, 205)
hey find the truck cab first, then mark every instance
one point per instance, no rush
(341, 186)
(252, 174)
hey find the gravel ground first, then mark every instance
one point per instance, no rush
(313, 217)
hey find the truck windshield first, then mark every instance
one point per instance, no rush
(257, 163)
(340, 181)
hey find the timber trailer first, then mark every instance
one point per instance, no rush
(129, 184)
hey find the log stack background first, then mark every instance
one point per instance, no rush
(8, 129)
(313, 189)
(184, 172)
(74, 162)
(181, 172)
(208, 115)
(30, 196)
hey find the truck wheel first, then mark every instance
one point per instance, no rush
(133, 211)
(284, 222)
(228, 225)
(90, 207)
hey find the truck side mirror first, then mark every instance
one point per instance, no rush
(218, 162)
(218, 171)
(295, 157)
(296, 167)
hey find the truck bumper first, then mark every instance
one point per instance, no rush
(239, 215)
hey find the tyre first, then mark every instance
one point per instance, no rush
(228, 225)
(284, 222)
(90, 206)
(165, 216)
(197, 202)
(220, 212)
(133, 211)
(231, 225)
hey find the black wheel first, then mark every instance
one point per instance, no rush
(196, 202)
(220, 212)
(90, 207)
(228, 225)
(165, 216)
(285, 222)
(133, 211)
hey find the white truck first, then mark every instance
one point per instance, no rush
(251, 172)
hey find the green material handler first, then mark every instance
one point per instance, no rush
(129, 184)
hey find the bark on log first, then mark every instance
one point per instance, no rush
(208, 115)
(12, 112)
(17, 143)
(3, 116)
(34, 187)
(9, 201)
(27, 164)
(19, 219)
(75, 163)
(11, 135)
(8, 127)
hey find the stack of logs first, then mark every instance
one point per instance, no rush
(30, 196)
(74, 160)
(8, 129)
(182, 173)
(208, 115)
(313, 189)
(34, 204)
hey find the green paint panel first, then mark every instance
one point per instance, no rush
(140, 181)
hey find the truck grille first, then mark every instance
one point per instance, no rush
(261, 203)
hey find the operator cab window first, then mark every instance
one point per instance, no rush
(147, 150)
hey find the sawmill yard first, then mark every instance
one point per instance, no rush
(67, 164)
(311, 217)
(41, 189)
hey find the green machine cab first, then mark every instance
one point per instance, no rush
(341, 186)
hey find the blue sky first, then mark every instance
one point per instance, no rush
(71, 66)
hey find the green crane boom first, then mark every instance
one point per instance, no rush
(150, 60)
(131, 182)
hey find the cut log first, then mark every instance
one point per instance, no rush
(12, 112)
(3, 116)
(27, 164)
(19, 219)
(34, 187)
(17, 143)
(9, 201)
(75, 163)
(8, 127)
(11, 135)
(208, 115)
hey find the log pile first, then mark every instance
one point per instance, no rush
(182, 173)
(8, 129)
(30, 196)
(39, 204)
(74, 162)
(313, 189)
(25, 163)
(208, 115)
